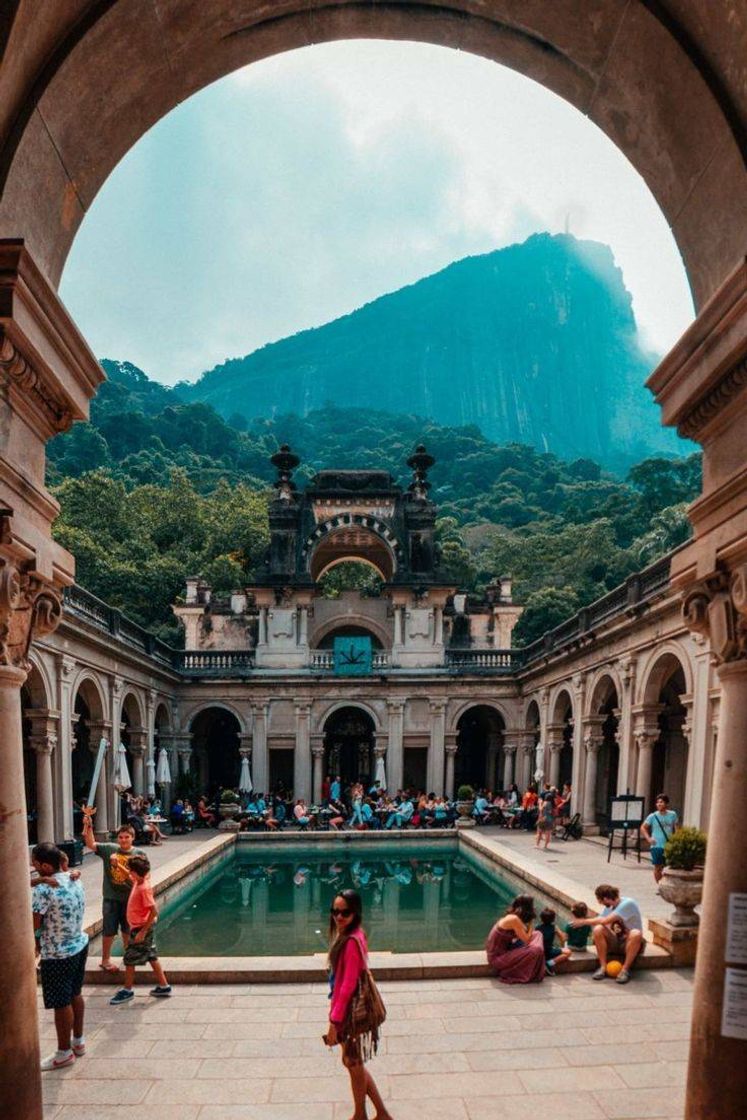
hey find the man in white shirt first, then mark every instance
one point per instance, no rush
(617, 931)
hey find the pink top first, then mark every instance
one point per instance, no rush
(350, 965)
(140, 903)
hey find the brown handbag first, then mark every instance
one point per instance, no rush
(365, 1014)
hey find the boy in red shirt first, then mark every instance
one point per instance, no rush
(142, 913)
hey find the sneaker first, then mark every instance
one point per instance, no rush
(58, 1060)
(124, 995)
(79, 1047)
(161, 991)
(599, 974)
(623, 977)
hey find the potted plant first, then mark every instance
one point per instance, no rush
(682, 880)
(465, 805)
(229, 804)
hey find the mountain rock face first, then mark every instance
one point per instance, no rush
(535, 343)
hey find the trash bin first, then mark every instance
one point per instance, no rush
(73, 849)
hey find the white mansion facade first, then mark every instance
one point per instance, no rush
(620, 697)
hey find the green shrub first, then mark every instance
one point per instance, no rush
(686, 849)
(465, 793)
(229, 797)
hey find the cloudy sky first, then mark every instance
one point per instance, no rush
(306, 185)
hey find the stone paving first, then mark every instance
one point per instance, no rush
(452, 1050)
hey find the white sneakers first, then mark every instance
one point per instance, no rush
(62, 1058)
(58, 1060)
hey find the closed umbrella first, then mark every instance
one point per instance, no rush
(245, 777)
(380, 772)
(122, 778)
(539, 762)
(163, 771)
(150, 764)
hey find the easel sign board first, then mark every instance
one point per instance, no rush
(626, 811)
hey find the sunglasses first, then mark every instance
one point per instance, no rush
(340, 913)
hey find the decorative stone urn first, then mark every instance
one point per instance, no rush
(465, 808)
(684, 889)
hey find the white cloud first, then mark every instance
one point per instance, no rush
(310, 183)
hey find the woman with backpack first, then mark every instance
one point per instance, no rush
(356, 1010)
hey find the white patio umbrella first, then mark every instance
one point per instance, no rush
(163, 771)
(151, 766)
(380, 776)
(121, 779)
(539, 762)
(245, 777)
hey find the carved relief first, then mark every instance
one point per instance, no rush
(716, 608)
(17, 370)
(29, 608)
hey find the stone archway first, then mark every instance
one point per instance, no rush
(560, 739)
(89, 725)
(89, 79)
(82, 81)
(349, 735)
(603, 748)
(479, 760)
(663, 739)
(215, 742)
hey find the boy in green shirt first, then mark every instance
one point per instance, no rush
(577, 937)
(116, 886)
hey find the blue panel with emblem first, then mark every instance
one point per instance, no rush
(353, 656)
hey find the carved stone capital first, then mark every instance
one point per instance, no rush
(43, 744)
(29, 607)
(716, 608)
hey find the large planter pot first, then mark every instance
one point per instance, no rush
(229, 811)
(464, 808)
(684, 889)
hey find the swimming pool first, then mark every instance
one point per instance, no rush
(272, 900)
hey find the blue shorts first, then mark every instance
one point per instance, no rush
(551, 954)
(657, 857)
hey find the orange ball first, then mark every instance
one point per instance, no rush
(614, 968)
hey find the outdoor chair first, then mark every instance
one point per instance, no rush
(573, 830)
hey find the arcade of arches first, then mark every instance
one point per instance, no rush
(80, 82)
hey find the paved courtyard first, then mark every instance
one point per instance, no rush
(452, 1050)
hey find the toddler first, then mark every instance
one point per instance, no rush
(551, 934)
(577, 937)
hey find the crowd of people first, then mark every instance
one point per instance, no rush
(362, 806)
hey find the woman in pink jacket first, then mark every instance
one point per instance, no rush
(348, 956)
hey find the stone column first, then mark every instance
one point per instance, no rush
(554, 746)
(65, 747)
(395, 758)
(302, 777)
(262, 634)
(317, 754)
(626, 768)
(644, 741)
(492, 780)
(137, 747)
(303, 626)
(526, 763)
(259, 746)
(509, 751)
(22, 1089)
(579, 757)
(436, 752)
(451, 750)
(43, 740)
(592, 746)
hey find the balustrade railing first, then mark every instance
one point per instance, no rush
(501, 660)
(212, 661)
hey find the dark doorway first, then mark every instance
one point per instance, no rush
(215, 737)
(479, 729)
(281, 770)
(416, 769)
(348, 746)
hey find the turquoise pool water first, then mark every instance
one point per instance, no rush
(274, 901)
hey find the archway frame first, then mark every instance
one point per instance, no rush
(189, 715)
(336, 705)
(362, 622)
(67, 124)
(652, 675)
(466, 705)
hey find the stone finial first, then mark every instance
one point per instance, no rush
(420, 463)
(285, 462)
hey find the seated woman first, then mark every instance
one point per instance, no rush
(339, 812)
(514, 950)
(204, 815)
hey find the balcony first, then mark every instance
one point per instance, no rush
(214, 662)
(323, 661)
(482, 660)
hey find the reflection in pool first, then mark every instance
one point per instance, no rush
(272, 901)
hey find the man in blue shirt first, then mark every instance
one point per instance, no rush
(657, 828)
(58, 905)
(335, 789)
